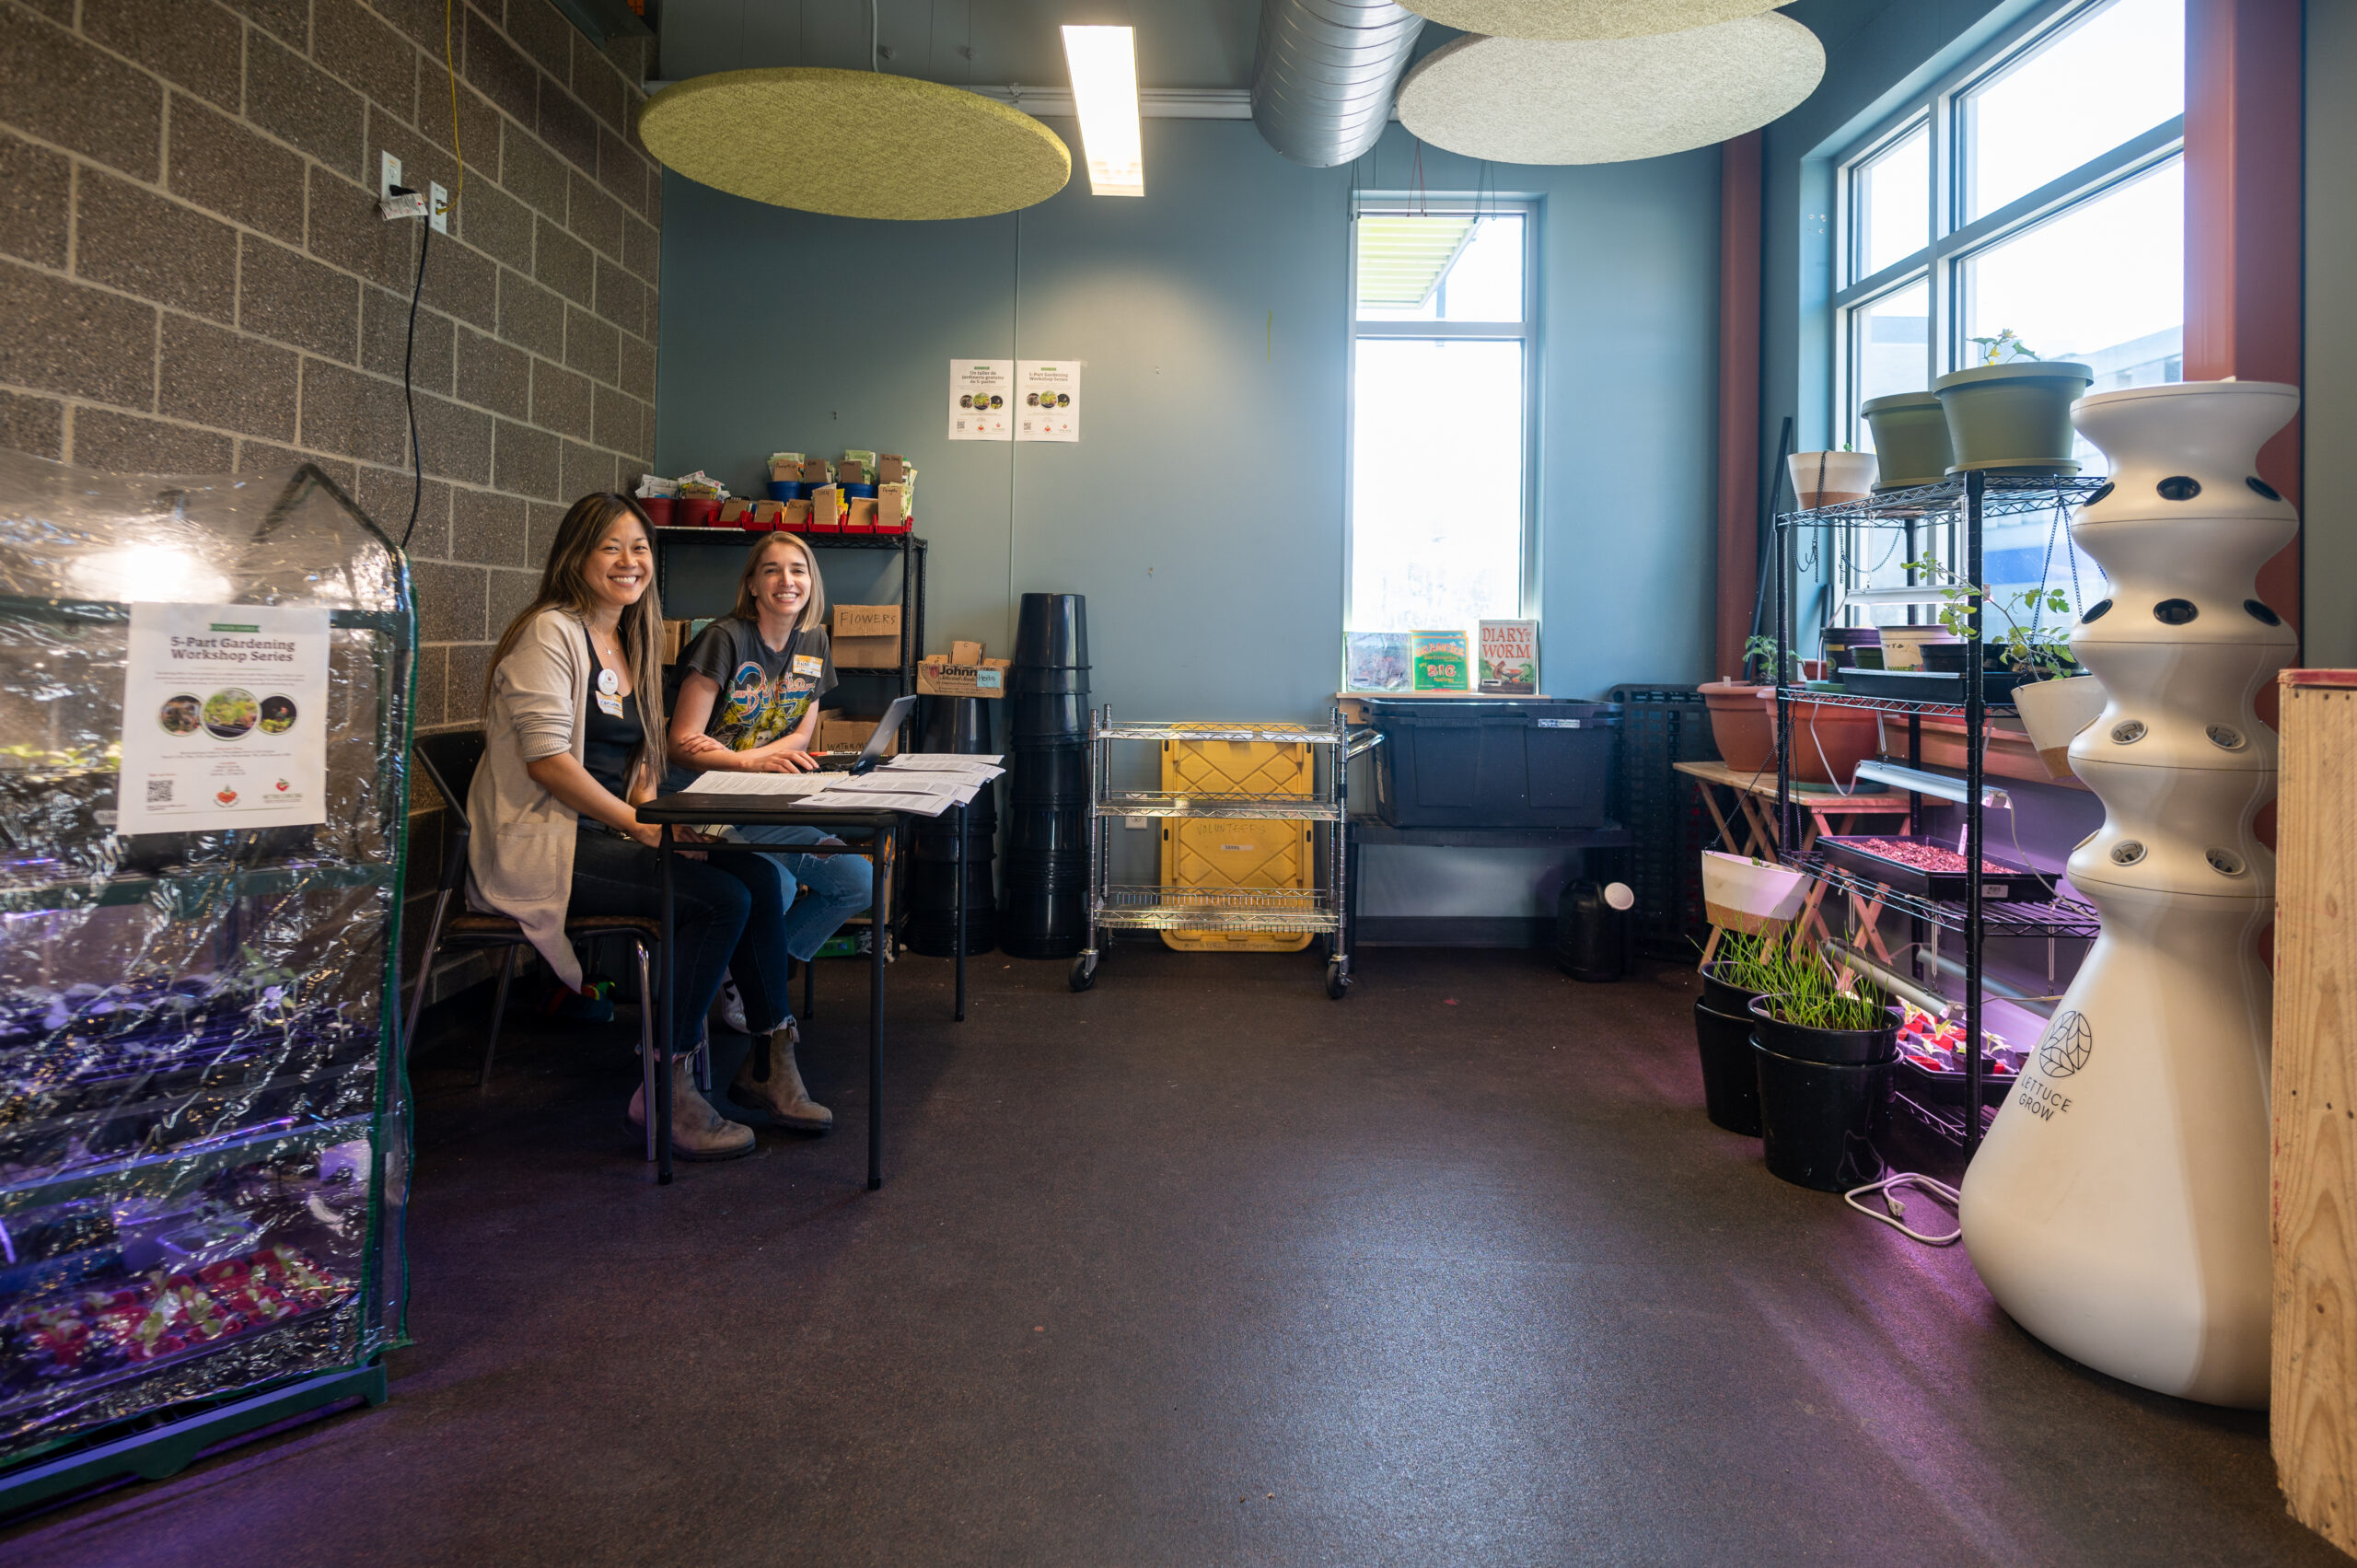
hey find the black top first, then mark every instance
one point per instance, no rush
(608, 745)
(764, 692)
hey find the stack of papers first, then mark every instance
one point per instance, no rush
(923, 785)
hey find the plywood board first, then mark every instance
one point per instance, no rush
(2314, 1420)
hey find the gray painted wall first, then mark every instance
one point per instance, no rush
(1202, 512)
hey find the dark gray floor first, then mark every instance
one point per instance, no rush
(1198, 1268)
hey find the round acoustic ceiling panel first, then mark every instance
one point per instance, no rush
(1608, 101)
(1584, 19)
(854, 144)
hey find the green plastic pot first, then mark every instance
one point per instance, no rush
(1911, 439)
(2012, 418)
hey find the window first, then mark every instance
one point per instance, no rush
(2040, 189)
(1443, 346)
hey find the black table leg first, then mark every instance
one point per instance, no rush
(880, 934)
(661, 1108)
(958, 1016)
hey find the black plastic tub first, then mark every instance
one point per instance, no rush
(1047, 775)
(1052, 633)
(1462, 763)
(1730, 1078)
(1069, 681)
(1034, 717)
(1723, 995)
(959, 724)
(2012, 883)
(1819, 1122)
(1043, 921)
(1847, 1048)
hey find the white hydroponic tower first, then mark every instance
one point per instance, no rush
(2118, 1209)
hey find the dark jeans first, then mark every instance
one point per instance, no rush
(727, 919)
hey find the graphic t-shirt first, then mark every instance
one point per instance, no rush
(764, 692)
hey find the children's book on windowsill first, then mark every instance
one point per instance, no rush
(1509, 651)
(1375, 661)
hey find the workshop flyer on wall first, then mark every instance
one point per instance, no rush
(225, 713)
(982, 400)
(1048, 405)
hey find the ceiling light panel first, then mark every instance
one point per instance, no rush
(1104, 63)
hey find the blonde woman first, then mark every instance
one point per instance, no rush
(750, 689)
(572, 721)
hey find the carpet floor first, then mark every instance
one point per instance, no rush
(1197, 1268)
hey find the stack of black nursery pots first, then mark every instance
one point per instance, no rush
(1047, 840)
(960, 726)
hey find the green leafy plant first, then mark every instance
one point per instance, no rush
(2002, 349)
(1762, 654)
(1800, 986)
(2028, 644)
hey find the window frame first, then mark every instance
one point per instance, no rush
(1952, 241)
(1528, 333)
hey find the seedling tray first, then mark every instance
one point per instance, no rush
(1926, 1087)
(2011, 884)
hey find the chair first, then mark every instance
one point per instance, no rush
(450, 760)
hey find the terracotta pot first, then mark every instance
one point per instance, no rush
(1829, 742)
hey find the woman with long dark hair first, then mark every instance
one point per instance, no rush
(573, 724)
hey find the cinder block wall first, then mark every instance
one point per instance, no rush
(194, 277)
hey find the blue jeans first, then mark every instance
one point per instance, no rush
(841, 885)
(727, 918)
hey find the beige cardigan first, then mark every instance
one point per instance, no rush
(519, 857)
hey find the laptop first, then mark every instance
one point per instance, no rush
(864, 760)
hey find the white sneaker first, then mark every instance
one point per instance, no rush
(732, 1008)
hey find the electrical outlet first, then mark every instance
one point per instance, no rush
(388, 174)
(438, 204)
(1134, 821)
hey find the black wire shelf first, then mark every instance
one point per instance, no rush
(1894, 705)
(671, 534)
(2006, 495)
(2060, 917)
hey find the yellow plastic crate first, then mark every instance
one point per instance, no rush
(1231, 852)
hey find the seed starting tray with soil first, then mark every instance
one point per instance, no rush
(1932, 870)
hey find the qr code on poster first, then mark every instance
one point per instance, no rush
(159, 792)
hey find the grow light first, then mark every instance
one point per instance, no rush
(1938, 785)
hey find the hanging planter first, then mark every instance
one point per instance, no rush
(1829, 479)
(2012, 418)
(1743, 894)
(1911, 439)
(2055, 711)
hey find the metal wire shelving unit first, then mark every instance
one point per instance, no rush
(1962, 505)
(1116, 907)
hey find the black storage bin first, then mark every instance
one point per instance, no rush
(1663, 724)
(1461, 762)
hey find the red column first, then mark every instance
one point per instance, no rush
(2243, 132)
(1739, 260)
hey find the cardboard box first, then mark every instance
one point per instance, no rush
(859, 514)
(937, 677)
(866, 619)
(850, 735)
(965, 653)
(865, 652)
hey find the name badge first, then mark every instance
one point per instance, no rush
(808, 664)
(609, 704)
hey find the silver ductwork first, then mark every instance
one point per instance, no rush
(1323, 83)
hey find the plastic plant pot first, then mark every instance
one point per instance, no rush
(695, 511)
(1819, 1120)
(1730, 1077)
(1911, 439)
(1740, 894)
(1743, 723)
(2012, 418)
(1848, 1048)
(1722, 995)
(1828, 479)
(2056, 711)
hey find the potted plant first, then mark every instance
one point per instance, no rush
(1745, 893)
(1911, 439)
(1723, 1034)
(1824, 1045)
(1828, 741)
(1829, 479)
(2011, 411)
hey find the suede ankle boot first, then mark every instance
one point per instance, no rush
(697, 1132)
(770, 1084)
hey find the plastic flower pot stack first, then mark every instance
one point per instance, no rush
(2119, 1208)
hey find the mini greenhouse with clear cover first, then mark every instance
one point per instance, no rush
(204, 714)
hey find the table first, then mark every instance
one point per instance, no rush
(1754, 792)
(691, 808)
(1374, 830)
